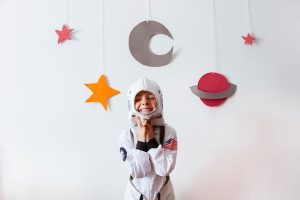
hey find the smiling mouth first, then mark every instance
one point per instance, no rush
(146, 110)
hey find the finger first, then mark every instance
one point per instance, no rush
(136, 118)
(138, 121)
(148, 125)
(144, 123)
(144, 132)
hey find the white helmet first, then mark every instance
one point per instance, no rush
(145, 84)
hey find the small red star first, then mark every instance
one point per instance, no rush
(64, 34)
(249, 39)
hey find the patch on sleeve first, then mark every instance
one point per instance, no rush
(123, 153)
(171, 144)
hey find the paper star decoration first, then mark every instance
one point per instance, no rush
(64, 34)
(248, 39)
(101, 92)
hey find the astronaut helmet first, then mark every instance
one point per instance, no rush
(145, 84)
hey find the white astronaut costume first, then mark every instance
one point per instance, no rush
(151, 163)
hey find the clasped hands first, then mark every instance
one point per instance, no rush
(145, 130)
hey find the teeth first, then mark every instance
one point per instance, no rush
(145, 110)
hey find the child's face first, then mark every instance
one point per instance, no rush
(145, 102)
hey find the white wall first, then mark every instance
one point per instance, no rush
(53, 146)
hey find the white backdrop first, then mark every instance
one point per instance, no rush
(54, 146)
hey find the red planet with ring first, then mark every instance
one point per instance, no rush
(213, 89)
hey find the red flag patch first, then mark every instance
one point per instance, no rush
(171, 144)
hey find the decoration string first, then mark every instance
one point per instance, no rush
(103, 37)
(250, 22)
(148, 10)
(68, 11)
(215, 39)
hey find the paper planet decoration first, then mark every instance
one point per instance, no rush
(213, 89)
(139, 39)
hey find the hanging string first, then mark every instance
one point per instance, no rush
(250, 22)
(148, 18)
(68, 11)
(102, 44)
(215, 38)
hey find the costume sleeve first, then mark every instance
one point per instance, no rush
(163, 158)
(137, 161)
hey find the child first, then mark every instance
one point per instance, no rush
(149, 146)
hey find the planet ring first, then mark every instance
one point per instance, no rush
(213, 95)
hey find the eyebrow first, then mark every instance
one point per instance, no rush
(148, 95)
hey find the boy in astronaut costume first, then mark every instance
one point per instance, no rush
(149, 146)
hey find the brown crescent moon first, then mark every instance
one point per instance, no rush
(139, 39)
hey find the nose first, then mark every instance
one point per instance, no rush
(144, 101)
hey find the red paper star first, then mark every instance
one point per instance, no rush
(101, 92)
(249, 39)
(64, 34)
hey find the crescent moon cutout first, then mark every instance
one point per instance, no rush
(139, 39)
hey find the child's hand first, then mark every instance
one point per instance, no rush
(145, 130)
(141, 129)
(150, 133)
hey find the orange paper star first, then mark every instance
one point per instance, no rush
(249, 39)
(64, 34)
(101, 92)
